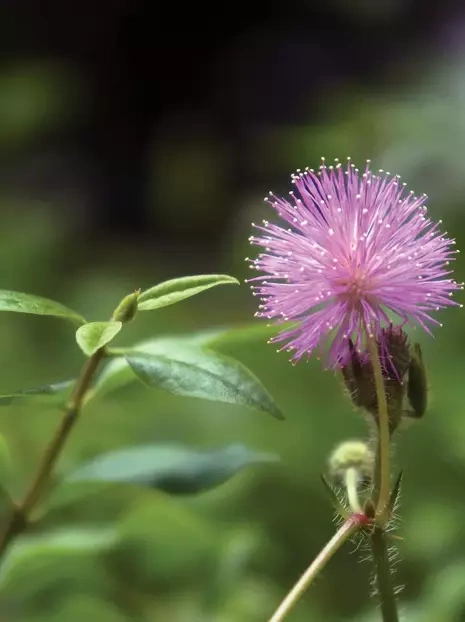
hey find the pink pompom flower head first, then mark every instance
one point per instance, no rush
(356, 250)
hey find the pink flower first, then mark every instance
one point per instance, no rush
(358, 253)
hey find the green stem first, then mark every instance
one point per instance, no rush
(18, 520)
(347, 529)
(351, 483)
(384, 575)
(382, 478)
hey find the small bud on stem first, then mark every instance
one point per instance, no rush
(127, 308)
(351, 465)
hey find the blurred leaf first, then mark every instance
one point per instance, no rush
(18, 302)
(78, 607)
(94, 335)
(167, 544)
(6, 503)
(37, 97)
(64, 496)
(48, 394)
(445, 592)
(172, 468)
(432, 531)
(205, 374)
(175, 290)
(238, 551)
(245, 333)
(31, 552)
(5, 472)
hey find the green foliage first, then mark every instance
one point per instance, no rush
(195, 552)
(202, 373)
(28, 557)
(18, 302)
(172, 468)
(46, 395)
(244, 335)
(183, 365)
(5, 469)
(94, 335)
(79, 607)
(117, 373)
(175, 290)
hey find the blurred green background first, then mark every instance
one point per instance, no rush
(182, 207)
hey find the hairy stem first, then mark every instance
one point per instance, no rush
(347, 529)
(382, 475)
(384, 575)
(18, 520)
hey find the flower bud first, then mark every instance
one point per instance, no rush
(355, 455)
(359, 380)
(127, 308)
(394, 354)
(417, 388)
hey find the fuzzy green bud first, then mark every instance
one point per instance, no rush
(353, 454)
(127, 308)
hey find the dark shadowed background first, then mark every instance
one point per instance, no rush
(137, 140)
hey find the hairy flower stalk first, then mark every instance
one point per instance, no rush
(357, 260)
(353, 524)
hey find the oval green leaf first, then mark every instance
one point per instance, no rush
(175, 469)
(94, 335)
(117, 372)
(202, 373)
(175, 290)
(19, 302)
(56, 393)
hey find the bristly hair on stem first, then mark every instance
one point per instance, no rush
(383, 579)
(349, 527)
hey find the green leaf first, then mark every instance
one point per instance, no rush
(172, 468)
(243, 334)
(56, 393)
(117, 372)
(168, 540)
(94, 335)
(31, 553)
(175, 290)
(19, 302)
(205, 374)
